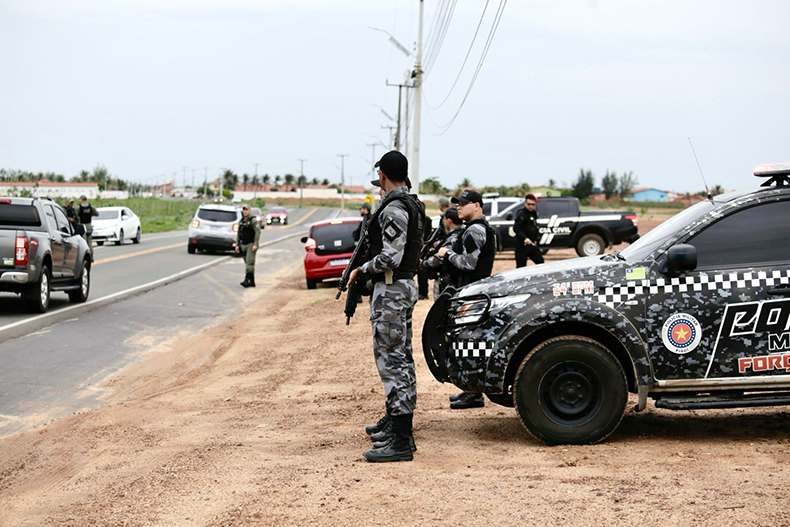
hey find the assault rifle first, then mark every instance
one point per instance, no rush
(360, 256)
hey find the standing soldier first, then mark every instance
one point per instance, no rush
(364, 212)
(470, 259)
(86, 212)
(247, 244)
(71, 213)
(395, 234)
(433, 265)
(438, 234)
(526, 228)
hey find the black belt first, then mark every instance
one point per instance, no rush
(396, 275)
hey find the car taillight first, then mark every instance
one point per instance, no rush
(20, 255)
(5, 201)
(633, 219)
(195, 224)
(310, 245)
(235, 227)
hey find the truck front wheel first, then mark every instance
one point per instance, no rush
(570, 390)
(590, 245)
(37, 295)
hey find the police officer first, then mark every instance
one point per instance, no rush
(454, 227)
(85, 213)
(364, 212)
(396, 234)
(525, 226)
(71, 212)
(470, 259)
(247, 243)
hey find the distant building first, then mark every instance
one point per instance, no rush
(649, 194)
(48, 189)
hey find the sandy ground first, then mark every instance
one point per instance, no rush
(260, 422)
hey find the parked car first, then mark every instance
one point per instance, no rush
(258, 213)
(563, 225)
(693, 315)
(277, 214)
(116, 224)
(214, 228)
(42, 252)
(328, 248)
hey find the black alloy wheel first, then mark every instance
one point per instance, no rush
(570, 389)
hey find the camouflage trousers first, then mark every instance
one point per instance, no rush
(245, 249)
(391, 307)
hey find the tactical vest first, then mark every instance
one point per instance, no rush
(411, 254)
(246, 230)
(485, 262)
(85, 213)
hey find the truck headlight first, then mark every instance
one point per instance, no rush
(506, 301)
(469, 310)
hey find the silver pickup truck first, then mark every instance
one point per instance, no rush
(41, 252)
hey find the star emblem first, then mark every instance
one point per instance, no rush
(681, 334)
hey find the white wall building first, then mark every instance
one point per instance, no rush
(48, 189)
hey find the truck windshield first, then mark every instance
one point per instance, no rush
(19, 215)
(644, 246)
(227, 216)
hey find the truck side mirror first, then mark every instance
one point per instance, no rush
(304, 239)
(681, 258)
(509, 216)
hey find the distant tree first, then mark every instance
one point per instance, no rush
(430, 186)
(314, 181)
(552, 183)
(301, 181)
(466, 182)
(715, 191)
(289, 180)
(609, 184)
(266, 179)
(229, 179)
(627, 184)
(245, 179)
(585, 184)
(325, 182)
(277, 180)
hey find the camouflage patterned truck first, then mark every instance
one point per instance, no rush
(695, 314)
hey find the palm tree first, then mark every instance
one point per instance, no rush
(255, 182)
(289, 180)
(277, 180)
(552, 183)
(314, 181)
(266, 179)
(325, 182)
(245, 180)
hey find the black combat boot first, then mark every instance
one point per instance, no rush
(455, 397)
(399, 448)
(384, 434)
(468, 400)
(246, 282)
(379, 426)
(382, 444)
(251, 283)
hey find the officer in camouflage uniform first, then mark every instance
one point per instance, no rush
(471, 258)
(71, 212)
(247, 244)
(454, 227)
(396, 234)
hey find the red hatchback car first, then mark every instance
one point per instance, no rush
(328, 247)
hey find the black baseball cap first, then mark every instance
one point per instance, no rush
(452, 213)
(395, 165)
(468, 196)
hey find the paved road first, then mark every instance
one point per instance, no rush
(117, 269)
(51, 371)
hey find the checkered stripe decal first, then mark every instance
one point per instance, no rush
(472, 348)
(614, 296)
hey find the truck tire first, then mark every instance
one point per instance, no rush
(590, 245)
(81, 295)
(191, 248)
(37, 295)
(570, 390)
(120, 238)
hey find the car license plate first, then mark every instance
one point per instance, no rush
(216, 227)
(344, 261)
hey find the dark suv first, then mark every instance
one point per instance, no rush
(695, 314)
(41, 252)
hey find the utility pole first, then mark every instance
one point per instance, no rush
(184, 175)
(301, 180)
(415, 157)
(393, 142)
(342, 181)
(255, 190)
(205, 182)
(221, 184)
(397, 143)
(193, 178)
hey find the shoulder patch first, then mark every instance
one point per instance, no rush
(391, 231)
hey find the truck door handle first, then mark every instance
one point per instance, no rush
(779, 291)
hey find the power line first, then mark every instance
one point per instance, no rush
(489, 40)
(463, 65)
(431, 55)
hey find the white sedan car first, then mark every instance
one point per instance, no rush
(116, 224)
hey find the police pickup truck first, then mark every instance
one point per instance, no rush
(563, 225)
(695, 314)
(41, 252)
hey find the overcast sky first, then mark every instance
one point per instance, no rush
(147, 87)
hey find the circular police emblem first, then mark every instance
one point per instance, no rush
(681, 333)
